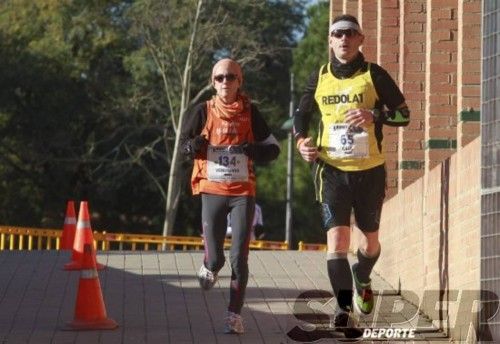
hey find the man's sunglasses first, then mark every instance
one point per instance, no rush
(228, 77)
(347, 33)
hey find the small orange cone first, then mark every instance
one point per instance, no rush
(83, 235)
(90, 311)
(69, 229)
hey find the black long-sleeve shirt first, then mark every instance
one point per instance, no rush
(268, 147)
(387, 90)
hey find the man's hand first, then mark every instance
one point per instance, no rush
(307, 149)
(359, 117)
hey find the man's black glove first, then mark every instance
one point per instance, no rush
(199, 144)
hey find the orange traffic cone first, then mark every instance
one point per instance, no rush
(83, 236)
(90, 311)
(69, 229)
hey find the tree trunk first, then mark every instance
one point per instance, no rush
(174, 179)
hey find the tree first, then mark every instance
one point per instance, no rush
(84, 108)
(311, 52)
(51, 85)
(68, 118)
(183, 58)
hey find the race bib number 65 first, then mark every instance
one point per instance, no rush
(345, 141)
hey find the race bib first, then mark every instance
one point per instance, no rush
(227, 164)
(345, 141)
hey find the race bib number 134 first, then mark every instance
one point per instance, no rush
(226, 164)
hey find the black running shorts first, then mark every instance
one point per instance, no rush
(339, 193)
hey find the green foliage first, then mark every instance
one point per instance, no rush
(310, 54)
(271, 196)
(84, 111)
(226, 28)
(307, 220)
(64, 109)
(312, 50)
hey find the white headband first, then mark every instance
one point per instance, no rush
(344, 25)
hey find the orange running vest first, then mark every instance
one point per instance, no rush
(222, 133)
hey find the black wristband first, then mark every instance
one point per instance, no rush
(376, 115)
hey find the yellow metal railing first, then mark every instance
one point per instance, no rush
(19, 238)
(23, 238)
(311, 247)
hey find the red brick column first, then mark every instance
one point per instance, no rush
(441, 74)
(351, 7)
(412, 82)
(388, 57)
(468, 71)
(368, 13)
(336, 8)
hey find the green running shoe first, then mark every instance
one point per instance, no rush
(363, 295)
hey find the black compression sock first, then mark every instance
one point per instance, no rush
(365, 265)
(340, 276)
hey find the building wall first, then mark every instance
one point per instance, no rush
(431, 241)
(490, 173)
(430, 230)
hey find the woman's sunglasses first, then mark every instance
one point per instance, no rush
(228, 77)
(347, 33)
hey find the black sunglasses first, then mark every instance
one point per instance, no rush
(340, 33)
(228, 77)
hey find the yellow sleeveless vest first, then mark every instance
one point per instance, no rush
(334, 98)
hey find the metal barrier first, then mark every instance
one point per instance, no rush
(21, 238)
(311, 247)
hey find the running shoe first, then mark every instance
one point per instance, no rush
(344, 321)
(363, 295)
(233, 323)
(206, 278)
(341, 318)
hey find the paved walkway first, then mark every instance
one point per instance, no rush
(155, 298)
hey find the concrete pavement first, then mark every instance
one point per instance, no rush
(155, 298)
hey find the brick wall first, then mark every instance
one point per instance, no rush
(412, 83)
(388, 37)
(468, 71)
(440, 83)
(431, 240)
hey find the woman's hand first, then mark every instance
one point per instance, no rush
(199, 144)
